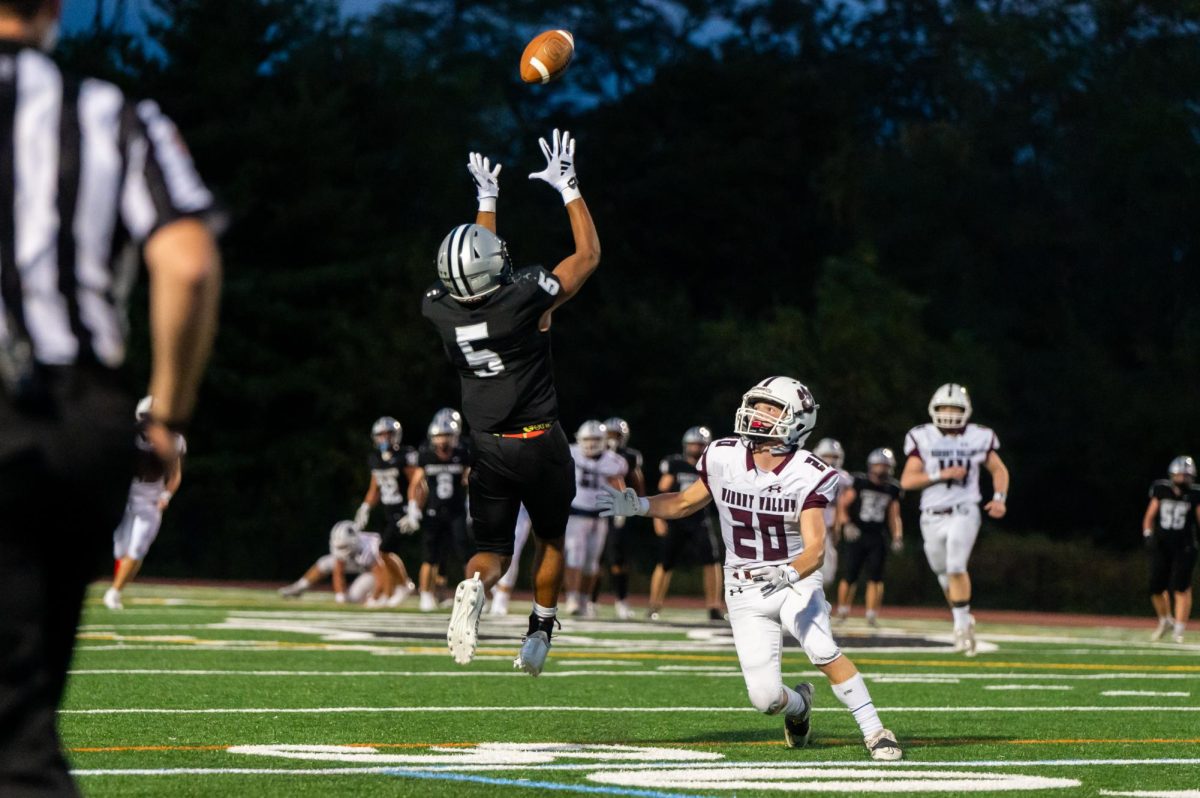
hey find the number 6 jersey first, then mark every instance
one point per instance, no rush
(502, 358)
(938, 450)
(760, 510)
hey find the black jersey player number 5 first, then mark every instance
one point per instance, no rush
(467, 336)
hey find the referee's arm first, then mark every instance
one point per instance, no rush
(185, 283)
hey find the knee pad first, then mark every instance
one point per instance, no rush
(821, 649)
(769, 700)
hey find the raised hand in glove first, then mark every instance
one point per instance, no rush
(560, 166)
(487, 181)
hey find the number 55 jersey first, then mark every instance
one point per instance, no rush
(937, 450)
(760, 510)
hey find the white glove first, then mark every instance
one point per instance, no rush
(560, 166)
(897, 545)
(851, 533)
(411, 521)
(340, 598)
(361, 516)
(776, 577)
(615, 502)
(487, 181)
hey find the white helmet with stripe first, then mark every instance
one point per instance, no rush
(790, 428)
(1182, 465)
(882, 456)
(590, 437)
(950, 407)
(830, 450)
(343, 540)
(473, 262)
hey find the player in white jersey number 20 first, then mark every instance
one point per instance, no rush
(771, 496)
(944, 460)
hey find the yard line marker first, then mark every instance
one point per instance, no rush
(1156, 793)
(351, 710)
(1023, 687)
(1172, 694)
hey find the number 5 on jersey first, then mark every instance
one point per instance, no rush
(489, 360)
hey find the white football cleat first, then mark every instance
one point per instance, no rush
(964, 639)
(589, 609)
(428, 603)
(112, 599)
(883, 746)
(499, 602)
(571, 606)
(624, 612)
(400, 594)
(462, 634)
(532, 657)
(294, 590)
(1178, 638)
(1164, 625)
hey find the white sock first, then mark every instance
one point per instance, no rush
(854, 694)
(1166, 619)
(962, 616)
(843, 610)
(871, 614)
(425, 593)
(1179, 626)
(795, 703)
(302, 583)
(544, 612)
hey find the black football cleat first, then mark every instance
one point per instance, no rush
(797, 729)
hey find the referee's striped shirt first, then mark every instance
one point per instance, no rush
(86, 176)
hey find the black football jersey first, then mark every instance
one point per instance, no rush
(633, 457)
(387, 469)
(503, 359)
(447, 493)
(686, 474)
(869, 509)
(1176, 511)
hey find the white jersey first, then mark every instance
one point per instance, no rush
(760, 510)
(939, 450)
(844, 481)
(591, 473)
(367, 553)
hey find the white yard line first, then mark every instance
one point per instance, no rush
(1169, 694)
(331, 710)
(1030, 687)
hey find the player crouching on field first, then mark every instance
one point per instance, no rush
(350, 553)
(153, 486)
(771, 496)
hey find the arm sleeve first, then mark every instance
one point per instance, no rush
(161, 183)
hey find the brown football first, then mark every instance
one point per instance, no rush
(547, 56)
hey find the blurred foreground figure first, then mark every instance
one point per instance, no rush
(84, 172)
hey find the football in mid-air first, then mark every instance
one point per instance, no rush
(547, 56)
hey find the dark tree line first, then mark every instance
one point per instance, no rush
(876, 199)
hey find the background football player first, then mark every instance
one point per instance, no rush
(1169, 528)
(502, 592)
(149, 494)
(392, 465)
(439, 502)
(688, 536)
(831, 451)
(344, 543)
(770, 495)
(944, 460)
(595, 465)
(495, 329)
(616, 550)
(869, 517)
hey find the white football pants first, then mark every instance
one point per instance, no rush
(139, 526)
(950, 537)
(584, 543)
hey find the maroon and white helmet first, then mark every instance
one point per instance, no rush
(950, 407)
(791, 428)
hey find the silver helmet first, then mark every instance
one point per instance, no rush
(950, 407)
(590, 437)
(618, 432)
(473, 262)
(830, 450)
(882, 456)
(343, 540)
(386, 425)
(790, 428)
(697, 435)
(444, 425)
(1182, 465)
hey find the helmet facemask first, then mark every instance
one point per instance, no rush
(761, 426)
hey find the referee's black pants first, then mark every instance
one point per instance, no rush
(64, 473)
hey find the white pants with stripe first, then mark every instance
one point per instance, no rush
(139, 526)
(950, 537)
(584, 544)
(758, 622)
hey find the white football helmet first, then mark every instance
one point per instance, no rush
(790, 428)
(954, 404)
(882, 456)
(143, 408)
(830, 450)
(386, 425)
(343, 540)
(444, 426)
(1182, 465)
(590, 437)
(473, 262)
(618, 432)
